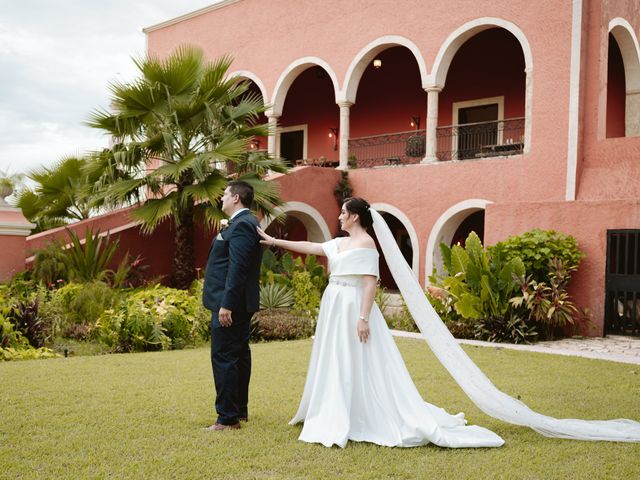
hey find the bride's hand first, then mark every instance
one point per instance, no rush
(363, 330)
(266, 239)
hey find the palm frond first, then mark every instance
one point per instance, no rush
(154, 210)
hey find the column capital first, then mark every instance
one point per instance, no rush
(345, 103)
(433, 88)
(272, 114)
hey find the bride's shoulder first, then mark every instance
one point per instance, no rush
(366, 242)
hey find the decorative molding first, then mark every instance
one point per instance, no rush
(293, 128)
(19, 229)
(246, 74)
(574, 101)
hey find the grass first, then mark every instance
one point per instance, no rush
(141, 416)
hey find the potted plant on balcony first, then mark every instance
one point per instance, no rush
(416, 146)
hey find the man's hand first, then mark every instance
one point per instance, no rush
(224, 316)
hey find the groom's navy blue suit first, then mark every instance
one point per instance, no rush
(231, 281)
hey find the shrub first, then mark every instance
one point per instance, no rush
(90, 261)
(50, 265)
(280, 324)
(306, 297)
(24, 316)
(537, 248)
(157, 318)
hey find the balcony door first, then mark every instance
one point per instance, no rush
(292, 143)
(477, 126)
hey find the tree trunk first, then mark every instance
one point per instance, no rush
(184, 259)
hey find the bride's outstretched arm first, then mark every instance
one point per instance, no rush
(308, 248)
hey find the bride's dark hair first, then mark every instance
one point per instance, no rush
(359, 206)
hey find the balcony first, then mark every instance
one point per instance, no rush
(453, 142)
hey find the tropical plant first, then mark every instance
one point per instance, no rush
(480, 286)
(538, 248)
(275, 295)
(90, 261)
(157, 318)
(62, 194)
(175, 128)
(548, 304)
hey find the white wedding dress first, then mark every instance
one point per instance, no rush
(363, 391)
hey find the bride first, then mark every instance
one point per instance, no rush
(357, 385)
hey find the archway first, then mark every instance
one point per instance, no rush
(489, 45)
(305, 101)
(455, 223)
(623, 81)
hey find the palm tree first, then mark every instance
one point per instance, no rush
(175, 130)
(62, 194)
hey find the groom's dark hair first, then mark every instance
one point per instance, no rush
(243, 190)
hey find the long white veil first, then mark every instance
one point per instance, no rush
(475, 384)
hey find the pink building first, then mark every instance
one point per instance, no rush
(482, 115)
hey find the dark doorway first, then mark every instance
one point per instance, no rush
(473, 223)
(292, 146)
(622, 302)
(477, 127)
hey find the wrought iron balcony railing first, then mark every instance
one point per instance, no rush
(388, 149)
(480, 140)
(453, 142)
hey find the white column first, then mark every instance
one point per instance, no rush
(344, 134)
(432, 124)
(632, 114)
(271, 139)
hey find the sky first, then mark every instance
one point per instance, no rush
(57, 58)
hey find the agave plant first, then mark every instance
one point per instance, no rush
(90, 262)
(275, 295)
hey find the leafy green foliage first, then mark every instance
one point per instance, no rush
(548, 304)
(157, 318)
(479, 286)
(90, 261)
(51, 265)
(62, 194)
(306, 297)
(537, 248)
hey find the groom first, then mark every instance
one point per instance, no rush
(232, 293)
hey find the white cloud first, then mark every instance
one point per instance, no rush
(57, 59)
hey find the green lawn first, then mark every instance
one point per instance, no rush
(141, 416)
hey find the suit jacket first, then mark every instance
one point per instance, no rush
(232, 275)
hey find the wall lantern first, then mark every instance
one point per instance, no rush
(255, 144)
(377, 63)
(415, 122)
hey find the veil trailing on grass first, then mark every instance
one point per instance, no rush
(470, 378)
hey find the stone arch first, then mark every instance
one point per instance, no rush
(627, 41)
(413, 236)
(291, 73)
(368, 53)
(457, 38)
(317, 228)
(246, 74)
(444, 229)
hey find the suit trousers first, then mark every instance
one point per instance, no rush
(231, 362)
